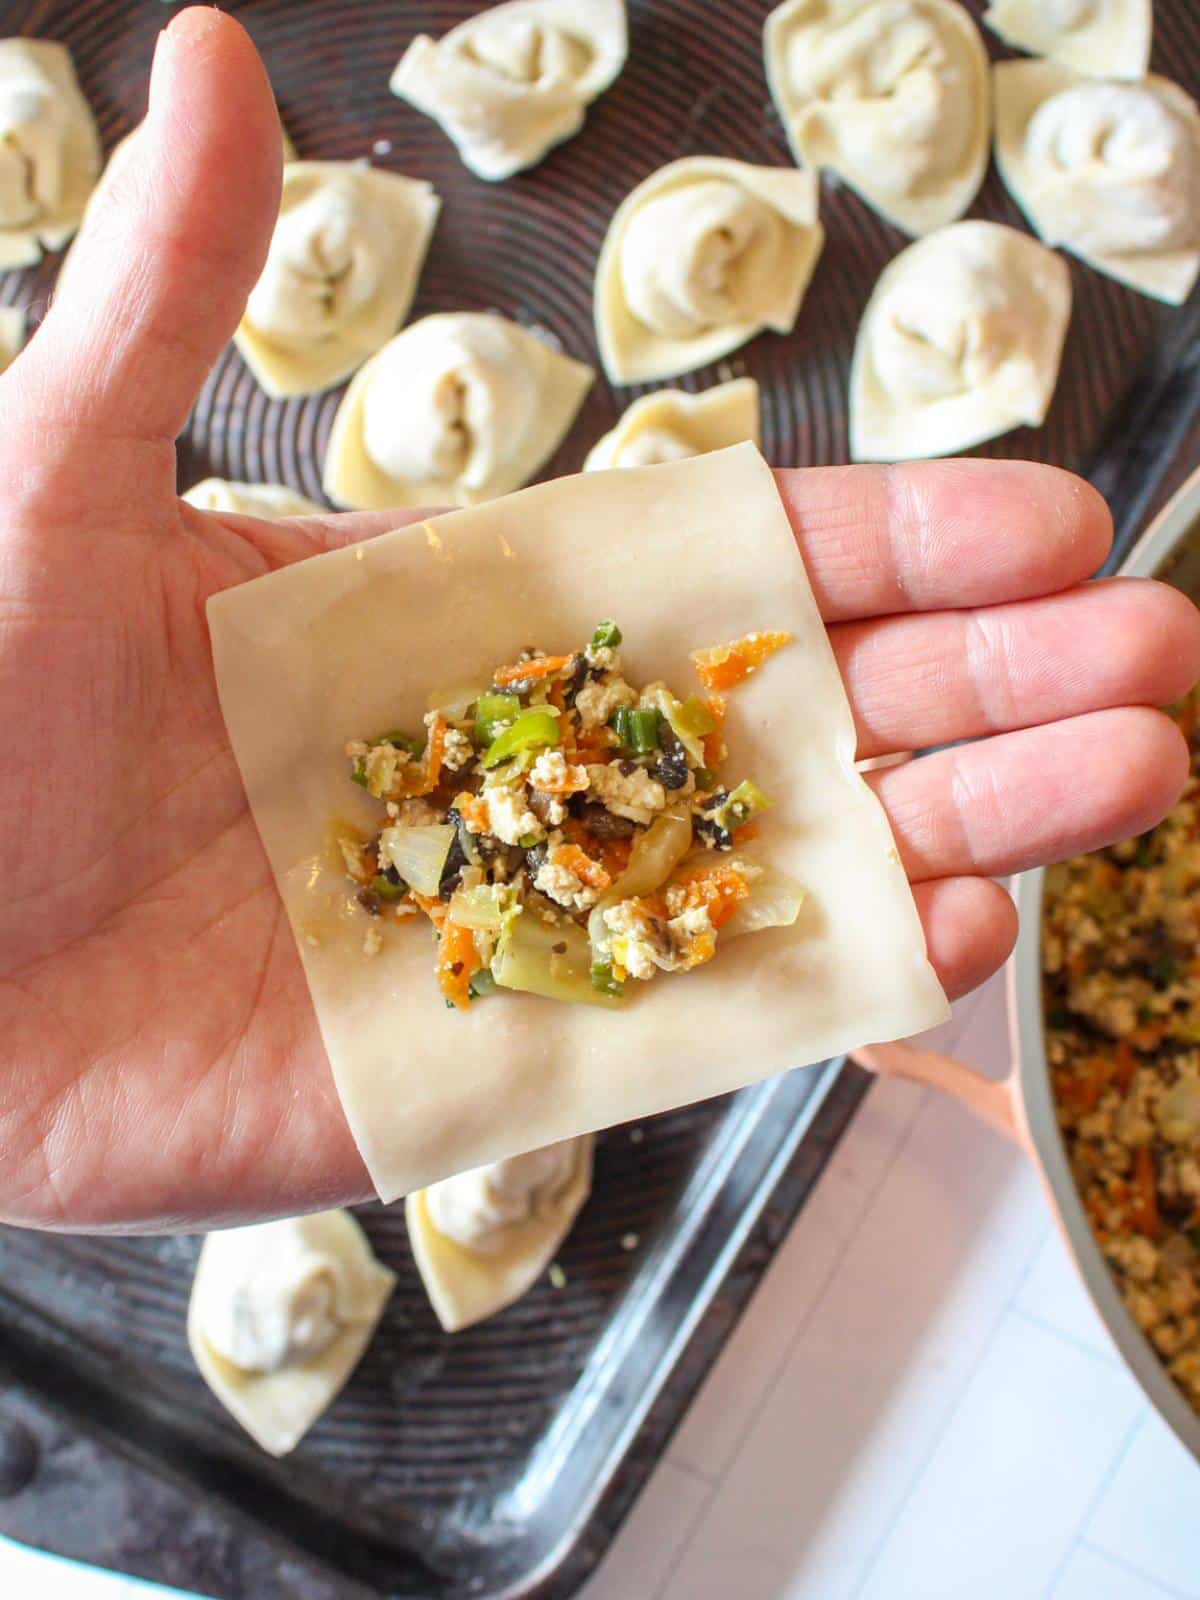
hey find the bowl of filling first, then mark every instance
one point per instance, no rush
(1104, 1091)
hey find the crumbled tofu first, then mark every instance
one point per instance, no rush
(634, 939)
(642, 943)
(694, 938)
(562, 886)
(509, 816)
(635, 795)
(372, 941)
(596, 702)
(553, 774)
(458, 750)
(355, 857)
(380, 765)
(603, 657)
(556, 813)
(415, 814)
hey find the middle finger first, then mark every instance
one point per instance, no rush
(935, 678)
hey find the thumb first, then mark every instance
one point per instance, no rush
(172, 244)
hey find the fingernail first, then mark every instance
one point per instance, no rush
(158, 68)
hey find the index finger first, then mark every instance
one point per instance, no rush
(922, 536)
(928, 535)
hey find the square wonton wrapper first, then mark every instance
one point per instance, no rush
(683, 555)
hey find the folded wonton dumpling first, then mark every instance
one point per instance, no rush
(685, 555)
(460, 407)
(508, 84)
(340, 275)
(1109, 171)
(961, 341)
(249, 499)
(892, 95)
(50, 153)
(700, 257)
(483, 1238)
(1104, 38)
(672, 425)
(279, 1317)
(12, 334)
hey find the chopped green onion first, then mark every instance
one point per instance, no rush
(491, 709)
(694, 718)
(481, 983)
(603, 980)
(745, 803)
(528, 840)
(359, 775)
(534, 727)
(418, 854)
(401, 741)
(606, 637)
(385, 888)
(706, 779)
(637, 729)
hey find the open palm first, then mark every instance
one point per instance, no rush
(160, 1064)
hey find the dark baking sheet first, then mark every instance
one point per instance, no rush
(498, 1463)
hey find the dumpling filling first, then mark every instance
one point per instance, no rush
(565, 830)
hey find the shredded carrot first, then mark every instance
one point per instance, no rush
(1125, 1066)
(434, 909)
(745, 833)
(718, 888)
(457, 960)
(472, 810)
(539, 667)
(575, 860)
(612, 854)
(1149, 1036)
(435, 750)
(714, 742)
(1084, 1091)
(727, 665)
(417, 780)
(1144, 1210)
(1076, 965)
(595, 745)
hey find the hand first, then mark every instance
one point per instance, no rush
(161, 1062)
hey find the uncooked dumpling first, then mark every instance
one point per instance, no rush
(700, 257)
(891, 95)
(460, 407)
(12, 334)
(960, 342)
(510, 83)
(483, 1238)
(681, 556)
(1105, 38)
(672, 425)
(49, 150)
(249, 499)
(340, 276)
(1109, 171)
(279, 1317)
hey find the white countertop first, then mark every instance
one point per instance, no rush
(919, 1403)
